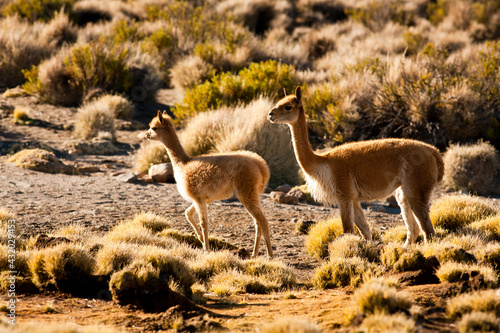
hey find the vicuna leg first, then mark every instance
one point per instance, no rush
(408, 217)
(190, 217)
(346, 215)
(360, 221)
(261, 224)
(201, 209)
(420, 208)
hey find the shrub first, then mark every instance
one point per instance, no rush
(264, 78)
(478, 301)
(213, 263)
(59, 31)
(490, 225)
(342, 272)
(273, 274)
(189, 72)
(453, 212)
(452, 271)
(489, 255)
(244, 128)
(149, 154)
(320, 235)
(20, 115)
(381, 322)
(79, 70)
(479, 322)
(20, 48)
(377, 297)
(120, 106)
(446, 251)
(288, 325)
(133, 233)
(154, 222)
(350, 246)
(113, 257)
(74, 232)
(37, 10)
(94, 119)
(401, 258)
(234, 281)
(472, 167)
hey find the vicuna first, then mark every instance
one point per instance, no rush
(366, 170)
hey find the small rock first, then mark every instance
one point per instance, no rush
(145, 179)
(41, 160)
(268, 189)
(283, 198)
(283, 188)
(377, 209)
(162, 173)
(298, 194)
(88, 168)
(392, 202)
(128, 177)
(93, 147)
(291, 200)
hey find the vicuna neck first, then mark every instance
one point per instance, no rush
(174, 149)
(305, 155)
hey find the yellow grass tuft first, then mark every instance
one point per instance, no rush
(234, 281)
(74, 232)
(320, 235)
(489, 255)
(479, 322)
(274, 274)
(349, 246)
(482, 301)
(114, 257)
(135, 233)
(402, 258)
(149, 154)
(453, 212)
(451, 272)
(5, 217)
(120, 106)
(446, 251)
(154, 222)
(377, 297)
(289, 325)
(342, 272)
(386, 323)
(93, 119)
(213, 263)
(20, 114)
(491, 226)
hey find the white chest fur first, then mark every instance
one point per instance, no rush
(321, 184)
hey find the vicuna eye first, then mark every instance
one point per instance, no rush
(288, 107)
(154, 128)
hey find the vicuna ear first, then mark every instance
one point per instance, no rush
(298, 94)
(284, 91)
(160, 117)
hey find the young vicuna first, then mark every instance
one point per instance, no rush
(365, 170)
(204, 179)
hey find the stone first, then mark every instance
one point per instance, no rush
(392, 202)
(127, 177)
(377, 209)
(162, 173)
(41, 160)
(283, 188)
(88, 168)
(44, 241)
(93, 147)
(295, 192)
(283, 198)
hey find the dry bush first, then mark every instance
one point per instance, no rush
(189, 72)
(213, 263)
(472, 167)
(74, 232)
(478, 322)
(273, 274)
(489, 255)
(59, 31)
(121, 107)
(244, 128)
(92, 11)
(63, 328)
(401, 258)
(113, 257)
(349, 246)
(399, 234)
(451, 272)
(149, 154)
(234, 281)
(491, 226)
(289, 325)
(134, 233)
(385, 323)
(154, 222)
(320, 235)
(446, 251)
(377, 297)
(93, 119)
(478, 301)
(20, 48)
(280, 45)
(453, 212)
(342, 272)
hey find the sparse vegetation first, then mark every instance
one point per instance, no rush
(149, 154)
(482, 301)
(381, 322)
(95, 119)
(478, 322)
(452, 272)
(376, 297)
(320, 235)
(342, 272)
(401, 258)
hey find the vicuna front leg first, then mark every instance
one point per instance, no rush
(360, 221)
(201, 209)
(261, 225)
(190, 217)
(346, 215)
(408, 217)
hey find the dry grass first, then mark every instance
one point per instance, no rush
(478, 301)
(491, 226)
(234, 281)
(121, 107)
(59, 31)
(489, 255)
(136, 233)
(62, 328)
(451, 272)
(189, 72)
(76, 233)
(472, 167)
(289, 325)
(5, 216)
(453, 212)
(149, 154)
(349, 246)
(401, 258)
(213, 263)
(93, 119)
(154, 222)
(320, 235)
(377, 297)
(274, 274)
(446, 251)
(478, 322)
(20, 114)
(387, 323)
(342, 272)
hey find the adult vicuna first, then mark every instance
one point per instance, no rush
(365, 170)
(204, 179)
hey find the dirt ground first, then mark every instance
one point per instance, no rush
(44, 202)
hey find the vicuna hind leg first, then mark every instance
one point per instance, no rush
(201, 209)
(420, 208)
(261, 224)
(408, 217)
(360, 221)
(190, 217)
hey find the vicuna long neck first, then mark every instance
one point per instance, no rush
(306, 157)
(174, 149)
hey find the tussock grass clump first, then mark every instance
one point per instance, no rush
(401, 258)
(73, 232)
(213, 263)
(192, 240)
(93, 119)
(342, 272)
(478, 301)
(382, 322)
(479, 322)
(453, 212)
(149, 154)
(452, 271)
(113, 257)
(59, 31)
(20, 115)
(447, 251)
(234, 281)
(36, 10)
(274, 274)
(154, 222)
(349, 246)
(134, 233)
(320, 235)
(288, 325)
(489, 255)
(491, 226)
(6, 216)
(119, 105)
(472, 167)
(244, 128)
(189, 72)
(377, 297)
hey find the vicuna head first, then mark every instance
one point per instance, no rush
(287, 110)
(160, 128)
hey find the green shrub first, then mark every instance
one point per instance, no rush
(37, 10)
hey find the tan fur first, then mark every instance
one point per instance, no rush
(367, 170)
(204, 179)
